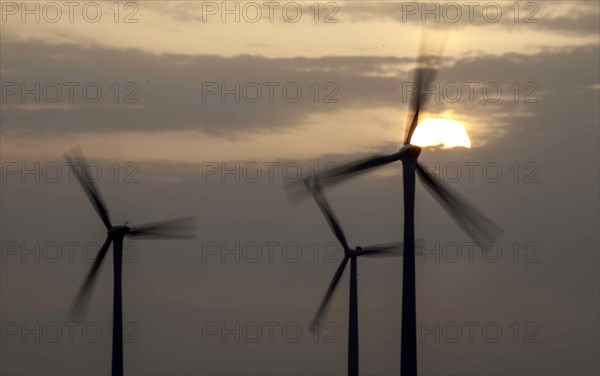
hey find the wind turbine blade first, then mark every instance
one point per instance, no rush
(425, 73)
(340, 174)
(351, 169)
(479, 227)
(327, 212)
(180, 228)
(383, 250)
(158, 236)
(390, 249)
(324, 304)
(78, 164)
(79, 306)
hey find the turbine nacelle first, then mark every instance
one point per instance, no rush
(355, 252)
(409, 151)
(119, 231)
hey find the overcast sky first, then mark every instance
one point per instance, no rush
(144, 98)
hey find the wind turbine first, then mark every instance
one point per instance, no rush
(472, 221)
(181, 228)
(349, 254)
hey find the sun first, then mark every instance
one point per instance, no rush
(438, 131)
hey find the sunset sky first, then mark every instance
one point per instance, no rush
(164, 139)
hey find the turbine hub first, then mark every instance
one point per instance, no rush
(356, 251)
(119, 230)
(410, 151)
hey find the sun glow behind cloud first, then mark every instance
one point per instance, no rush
(437, 131)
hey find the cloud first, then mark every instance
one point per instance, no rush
(170, 90)
(579, 18)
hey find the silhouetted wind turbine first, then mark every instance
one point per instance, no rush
(472, 221)
(172, 229)
(349, 254)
